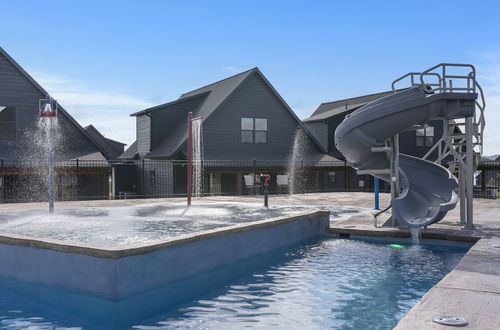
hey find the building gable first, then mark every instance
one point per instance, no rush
(19, 90)
(254, 98)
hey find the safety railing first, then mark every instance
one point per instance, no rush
(414, 78)
(447, 80)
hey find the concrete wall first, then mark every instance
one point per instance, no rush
(117, 273)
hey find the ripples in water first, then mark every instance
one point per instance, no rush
(327, 283)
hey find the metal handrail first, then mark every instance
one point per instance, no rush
(482, 107)
(443, 88)
(412, 78)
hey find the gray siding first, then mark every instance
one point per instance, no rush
(16, 90)
(143, 134)
(408, 143)
(171, 120)
(253, 99)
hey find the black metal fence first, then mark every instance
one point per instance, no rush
(86, 180)
(164, 178)
(74, 180)
(487, 180)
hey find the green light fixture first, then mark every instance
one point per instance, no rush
(396, 246)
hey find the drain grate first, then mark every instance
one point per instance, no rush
(450, 320)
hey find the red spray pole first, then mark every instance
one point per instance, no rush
(190, 159)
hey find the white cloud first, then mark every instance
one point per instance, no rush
(108, 111)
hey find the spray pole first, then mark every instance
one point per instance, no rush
(51, 167)
(266, 177)
(190, 159)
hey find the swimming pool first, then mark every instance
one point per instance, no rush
(320, 283)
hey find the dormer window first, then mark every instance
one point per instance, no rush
(253, 130)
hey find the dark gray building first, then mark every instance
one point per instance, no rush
(21, 149)
(247, 128)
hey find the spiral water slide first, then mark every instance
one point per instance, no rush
(427, 191)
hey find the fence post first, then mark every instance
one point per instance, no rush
(346, 177)
(143, 181)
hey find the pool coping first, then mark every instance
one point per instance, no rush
(437, 234)
(121, 252)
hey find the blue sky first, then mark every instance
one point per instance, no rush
(106, 59)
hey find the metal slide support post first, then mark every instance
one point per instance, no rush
(113, 182)
(190, 159)
(51, 167)
(376, 190)
(394, 171)
(469, 172)
(462, 183)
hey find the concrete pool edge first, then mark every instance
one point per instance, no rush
(115, 253)
(402, 233)
(121, 272)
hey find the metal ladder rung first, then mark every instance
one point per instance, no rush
(381, 149)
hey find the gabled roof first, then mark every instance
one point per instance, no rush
(494, 158)
(330, 109)
(44, 92)
(113, 148)
(211, 97)
(130, 153)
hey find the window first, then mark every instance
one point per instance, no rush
(425, 137)
(7, 123)
(331, 177)
(253, 130)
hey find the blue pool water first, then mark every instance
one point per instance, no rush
(322, 283)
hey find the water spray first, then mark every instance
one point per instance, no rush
(190, 157)
(48, 109)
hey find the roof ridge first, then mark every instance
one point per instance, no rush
(356, 97)
(179, 100)
(219, 81)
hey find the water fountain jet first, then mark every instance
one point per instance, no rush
(48, 112)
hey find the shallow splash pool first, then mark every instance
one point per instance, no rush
(136, 225)
(320, 283)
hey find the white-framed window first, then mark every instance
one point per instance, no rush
(253, 130)
(424, 137)
(7, 123)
